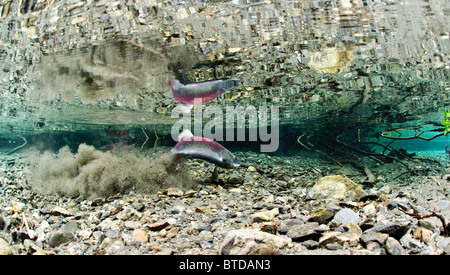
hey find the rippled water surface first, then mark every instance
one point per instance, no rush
(342, 73)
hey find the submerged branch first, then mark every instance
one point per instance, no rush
(385, 135)
(157, 138)
(18, 147)
(412, 171)
(375, 156)
(316, 150)
(146, 138)
(418, 216)
(370, 176)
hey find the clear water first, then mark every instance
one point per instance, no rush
(96, 72)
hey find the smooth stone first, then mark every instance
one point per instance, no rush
(204, 227)
(235, 179)
(175, 192)
(71, 226)
(347, 215)
(206, 244)
(112, 244)
(60, 237)
(393, 229)
(310, 244)
(252, 242)
(369, 210)
(423, 234)
(132, 224)
(333, 246)
(340, 238)
(447, 250)
(172, 232)
(369, 237)
(5, 249)
(140, 236)
(269, 227)
(408, 242)
(335, 187)
(205, 236)
(322, 216)
(286, 225)
(443, 204)
(393, 247)
(265, 216)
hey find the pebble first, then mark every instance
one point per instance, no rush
(176, 192)
(205, 236)
(206, 244)
(338, 238)
(71, 226)
(393, 247)
(369, 210)
(85, 234)
(59, 237)
(269, 227)
(173, 232)
(265, 216)
(447, 250)
(57, 210)
(17, 206)
(5, 249)
(322, 216)
(370, 237)
(235, 179)
(410, 243)
(140, 235)
(158, 226)
(393, 229)
(423, 234)
(308, 231)
(346, 215)
(252, 242)
(132, 224)
(112, 245)
(311, 244)
(235, 190)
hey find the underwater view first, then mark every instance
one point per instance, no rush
(224, 127)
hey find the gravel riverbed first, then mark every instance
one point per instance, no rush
(275, 205)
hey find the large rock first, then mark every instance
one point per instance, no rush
(252, 242)
(335, 187)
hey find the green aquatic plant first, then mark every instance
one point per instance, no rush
(446, 122)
